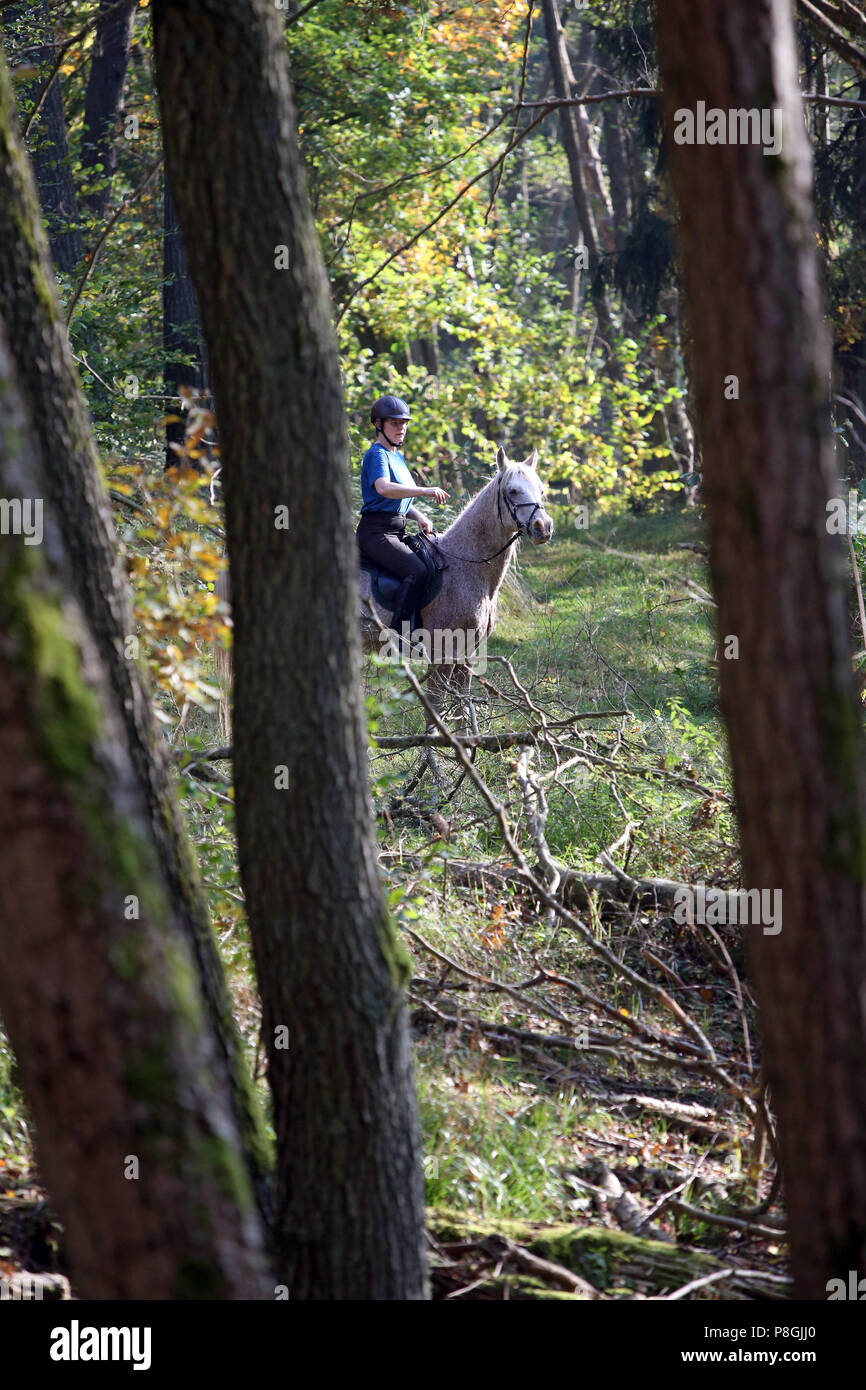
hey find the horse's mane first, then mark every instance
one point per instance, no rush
(474, 509)
(473, 506)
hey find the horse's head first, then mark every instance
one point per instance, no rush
(521, 494)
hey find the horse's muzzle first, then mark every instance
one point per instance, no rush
(541, 529)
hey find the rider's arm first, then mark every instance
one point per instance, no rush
(386, 488)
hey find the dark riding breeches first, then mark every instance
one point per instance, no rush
(380, 540)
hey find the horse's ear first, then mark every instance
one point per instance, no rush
(501, 459)
(532, 461)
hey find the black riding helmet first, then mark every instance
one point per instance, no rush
(389, 408)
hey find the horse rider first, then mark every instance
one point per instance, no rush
(387, 491)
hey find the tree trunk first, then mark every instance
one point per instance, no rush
(851, 357)
(49, 148)
(181, 331)
(670, 372)
(331, 972)
(591, 83)
(122, 1061)
(563, 89)
(614, 156)
(103, 102)
(795, 728)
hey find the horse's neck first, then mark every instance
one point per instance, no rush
(478, 533)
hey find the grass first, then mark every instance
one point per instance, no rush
(613, 627)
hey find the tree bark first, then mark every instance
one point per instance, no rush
(122, 1060)
(795, 728)
(103, 102)
(331, 973)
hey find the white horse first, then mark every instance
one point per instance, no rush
(477, 550)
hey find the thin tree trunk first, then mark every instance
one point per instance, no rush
(49, 148)
(181, 330)
(331, 972)
(614, 156)
(590, 82)
(103, 102)
(562, 87)
(851, 357)
(671, 373)
(821, 111)
(121, 1059)
(795, 727)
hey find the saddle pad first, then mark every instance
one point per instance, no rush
(385, 587)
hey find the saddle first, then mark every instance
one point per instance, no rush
(385, 586)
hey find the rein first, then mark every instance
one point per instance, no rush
(522, 528)
(465, 559)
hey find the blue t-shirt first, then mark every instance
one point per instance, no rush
(380, 462)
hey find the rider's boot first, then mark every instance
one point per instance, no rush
(404, 612)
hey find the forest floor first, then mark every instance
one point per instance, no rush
(550, 1133)
(588, 1080)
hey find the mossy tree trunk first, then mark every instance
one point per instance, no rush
(350, 1212)
(788, 699)
(110, 982)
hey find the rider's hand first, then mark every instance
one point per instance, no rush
(438, 494)
(425, 525)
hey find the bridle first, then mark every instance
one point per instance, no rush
(512, 509)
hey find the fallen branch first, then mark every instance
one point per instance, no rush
(616, 1262)
(577, 887)
(546, 1269)
(529, 1044)
(491, 742)
(730, 1223)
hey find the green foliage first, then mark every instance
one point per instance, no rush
(15, 1144)
(470, 321)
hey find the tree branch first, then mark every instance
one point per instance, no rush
(845, 13)
(833, 35)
